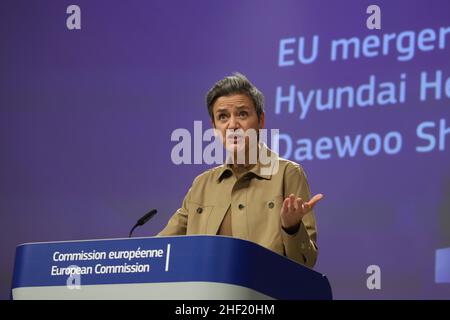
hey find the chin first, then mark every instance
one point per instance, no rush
(235, 148)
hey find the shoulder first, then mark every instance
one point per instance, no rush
(285, 167)
(290, 167)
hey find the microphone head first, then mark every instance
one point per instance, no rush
(147, 217)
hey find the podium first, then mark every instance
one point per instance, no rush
(173, 268)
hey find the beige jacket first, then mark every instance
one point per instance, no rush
(255, 201)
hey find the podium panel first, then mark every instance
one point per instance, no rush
(181, 267)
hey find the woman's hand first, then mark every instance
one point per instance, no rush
(294, 209)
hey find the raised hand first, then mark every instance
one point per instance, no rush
(294, 209)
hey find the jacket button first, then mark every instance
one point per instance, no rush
(241, 206)
(199, 210)
(271, 205)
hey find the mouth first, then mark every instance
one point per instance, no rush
(235, 139)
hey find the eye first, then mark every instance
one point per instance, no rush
(222, 117)
(243, 114)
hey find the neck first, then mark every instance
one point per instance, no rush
(247, 163)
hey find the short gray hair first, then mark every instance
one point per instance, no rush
(235, 84)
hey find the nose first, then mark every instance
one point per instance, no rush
(234, 123)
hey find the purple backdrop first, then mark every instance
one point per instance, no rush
(86, 117)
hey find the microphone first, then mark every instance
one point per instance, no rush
(143, 220)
